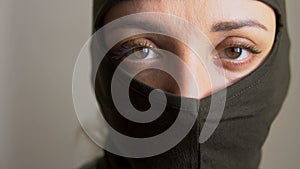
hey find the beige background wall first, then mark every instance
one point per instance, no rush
(39, 43)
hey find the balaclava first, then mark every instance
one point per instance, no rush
(251, 105)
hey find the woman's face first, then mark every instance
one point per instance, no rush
(241, 31)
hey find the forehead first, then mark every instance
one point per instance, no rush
(196, 11)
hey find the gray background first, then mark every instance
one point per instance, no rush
(39, 43)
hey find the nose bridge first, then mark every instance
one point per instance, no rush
(194, 77)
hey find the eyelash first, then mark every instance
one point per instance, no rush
(236, 65)
(124, 50)
(251, 47)
(127, 48)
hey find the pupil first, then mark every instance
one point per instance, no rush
(233, 53)
(236, 50)
(141, 53)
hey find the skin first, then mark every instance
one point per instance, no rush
(224, 22)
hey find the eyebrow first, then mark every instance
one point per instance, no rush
(140, 24)
(233, 25)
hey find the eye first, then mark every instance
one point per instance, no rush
(142, 53)
(236, 53)
(137, 50)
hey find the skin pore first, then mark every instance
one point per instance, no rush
(241, 36)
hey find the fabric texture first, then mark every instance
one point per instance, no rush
(251, 106)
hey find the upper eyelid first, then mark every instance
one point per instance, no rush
(235, 39)
(230, 41)
(144, 42)
(240, 37)
(122, 49)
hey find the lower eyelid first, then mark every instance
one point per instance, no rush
(237, 66)
(231, 64)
